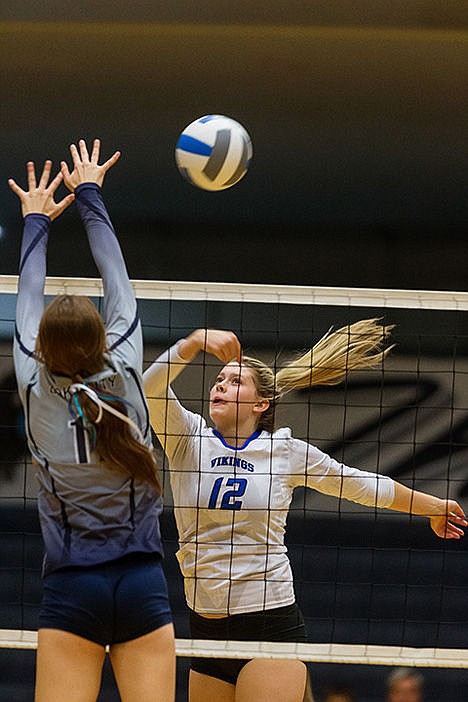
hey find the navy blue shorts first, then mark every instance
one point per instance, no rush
(280, 624)
(107, 603)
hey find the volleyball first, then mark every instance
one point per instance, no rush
(213, 152)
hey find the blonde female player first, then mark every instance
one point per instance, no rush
(232, 489)
(88, 431)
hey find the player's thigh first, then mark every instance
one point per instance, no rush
(204, 688)
(68, 667)
(265, 680)
(144, 667)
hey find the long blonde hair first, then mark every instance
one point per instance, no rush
(354, 347)
(72, 342)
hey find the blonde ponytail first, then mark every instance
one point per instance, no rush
(354, 347)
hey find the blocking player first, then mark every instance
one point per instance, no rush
(99, 500)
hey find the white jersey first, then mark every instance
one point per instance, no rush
(231, 504)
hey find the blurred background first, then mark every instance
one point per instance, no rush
(357, 111)
(358, 114)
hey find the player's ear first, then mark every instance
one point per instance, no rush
(261, 405)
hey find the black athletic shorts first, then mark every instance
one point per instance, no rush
(280, 624)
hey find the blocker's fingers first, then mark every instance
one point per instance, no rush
(63, 204)
(64, 169)
(16, 188)
(75, 155)
(55, 182)
(110, 162)
(45, 174)
(31, 175)
(84, 151)
(95, 151)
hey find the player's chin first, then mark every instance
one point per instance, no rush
(217, 409)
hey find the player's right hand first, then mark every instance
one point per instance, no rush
(223, 344)
(86, 169)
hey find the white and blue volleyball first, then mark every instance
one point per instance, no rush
(214, 152)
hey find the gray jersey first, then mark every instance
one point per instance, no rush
(89, 513)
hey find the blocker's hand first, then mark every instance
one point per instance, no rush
(39, 198)
(86, 169)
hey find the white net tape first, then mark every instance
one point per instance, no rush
(316, 653)
(284, 294)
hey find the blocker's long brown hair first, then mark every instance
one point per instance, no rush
(71, 343)
(357, 346)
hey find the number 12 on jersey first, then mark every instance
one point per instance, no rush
(228, 497)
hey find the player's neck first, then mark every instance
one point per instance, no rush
(238, 433)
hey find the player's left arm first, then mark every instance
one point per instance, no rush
(324, 474)
(120, 311)
(315, 469)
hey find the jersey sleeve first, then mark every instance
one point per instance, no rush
(314, 469)
(30, 298)
(120, 311)
(171, 422)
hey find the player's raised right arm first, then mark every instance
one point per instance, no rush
(39, 209)
(159, 376)
(169, 419)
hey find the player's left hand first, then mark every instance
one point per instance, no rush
(39, 198)
(86, 169)
(449, 525)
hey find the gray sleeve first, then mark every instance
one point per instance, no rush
(30, 298)
(120, 312)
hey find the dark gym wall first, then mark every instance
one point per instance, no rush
(357, 112)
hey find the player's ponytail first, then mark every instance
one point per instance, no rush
(354, 347)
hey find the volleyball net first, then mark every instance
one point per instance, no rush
(375, 587)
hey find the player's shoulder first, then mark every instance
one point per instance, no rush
(284, 437)
(195, 425)
(27, 373)
(282, 433)
(201, 424)
(117, 361)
